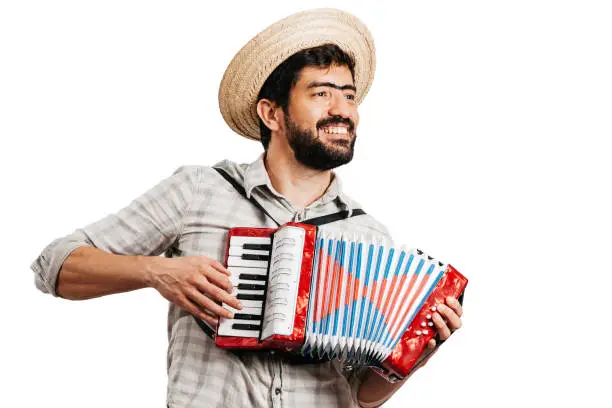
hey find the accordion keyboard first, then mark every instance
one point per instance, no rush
(248, 266)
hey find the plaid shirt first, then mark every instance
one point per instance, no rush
(188, 214)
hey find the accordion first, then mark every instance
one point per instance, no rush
(327, 295)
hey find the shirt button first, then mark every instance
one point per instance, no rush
(277, 391)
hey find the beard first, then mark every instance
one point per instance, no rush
(310, 150)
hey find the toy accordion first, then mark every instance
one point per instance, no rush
(324, 295)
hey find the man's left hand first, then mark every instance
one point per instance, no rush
(446, 319)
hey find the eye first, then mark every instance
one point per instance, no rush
(322, 93)
(350, 97)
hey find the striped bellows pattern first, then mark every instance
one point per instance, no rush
(364, 296)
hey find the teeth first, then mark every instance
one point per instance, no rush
(335, 130)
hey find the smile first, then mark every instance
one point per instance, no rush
(335, 130)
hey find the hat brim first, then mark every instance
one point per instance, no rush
(252, 65)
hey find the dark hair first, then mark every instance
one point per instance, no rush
(280, 82)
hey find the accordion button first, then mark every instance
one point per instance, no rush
(430, 324)
(433, 309)
(423, 324)
(428, 316)
(418, 332)
(425, 332)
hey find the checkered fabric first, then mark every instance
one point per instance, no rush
(189, 214)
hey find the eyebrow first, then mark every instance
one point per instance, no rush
(331, 85)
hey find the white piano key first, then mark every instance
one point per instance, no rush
(251, 303)
(225, 329)
(228, 331)
(237, 261)
(236, 270)
(239, 241)
(245, 309)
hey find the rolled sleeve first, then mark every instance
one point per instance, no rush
(149, 225)
(46, 267)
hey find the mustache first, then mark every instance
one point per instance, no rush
(336, 120)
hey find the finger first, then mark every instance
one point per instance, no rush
(440, 326)
(219, 266)
(219, 279)
(205, 302)
(212, 320)
(195, 310)
(455, 305)
(219, 294)
(431, 344)
(454, 322)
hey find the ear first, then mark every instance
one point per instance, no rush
(268, 113)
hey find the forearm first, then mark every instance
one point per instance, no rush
(375, 390)
(90, 272)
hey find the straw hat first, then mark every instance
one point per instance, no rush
(252, 65)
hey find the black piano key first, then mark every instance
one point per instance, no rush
(245, 316)
(249, 296)
(241, 326)
(250, 286)
(255, 257)
(259, 247)
(248, 276)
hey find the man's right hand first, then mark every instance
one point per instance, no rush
(194, 283)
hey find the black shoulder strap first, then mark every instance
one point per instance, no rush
(317, 221)
(210, 332)
(326, 219)
(241, 190)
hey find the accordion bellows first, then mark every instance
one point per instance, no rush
(325, 295)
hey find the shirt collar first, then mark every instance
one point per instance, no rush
(256, 175)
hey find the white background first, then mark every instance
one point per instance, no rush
(484, 141)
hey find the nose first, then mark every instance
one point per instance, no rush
(340, 106)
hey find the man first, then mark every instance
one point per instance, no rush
(296, 86)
